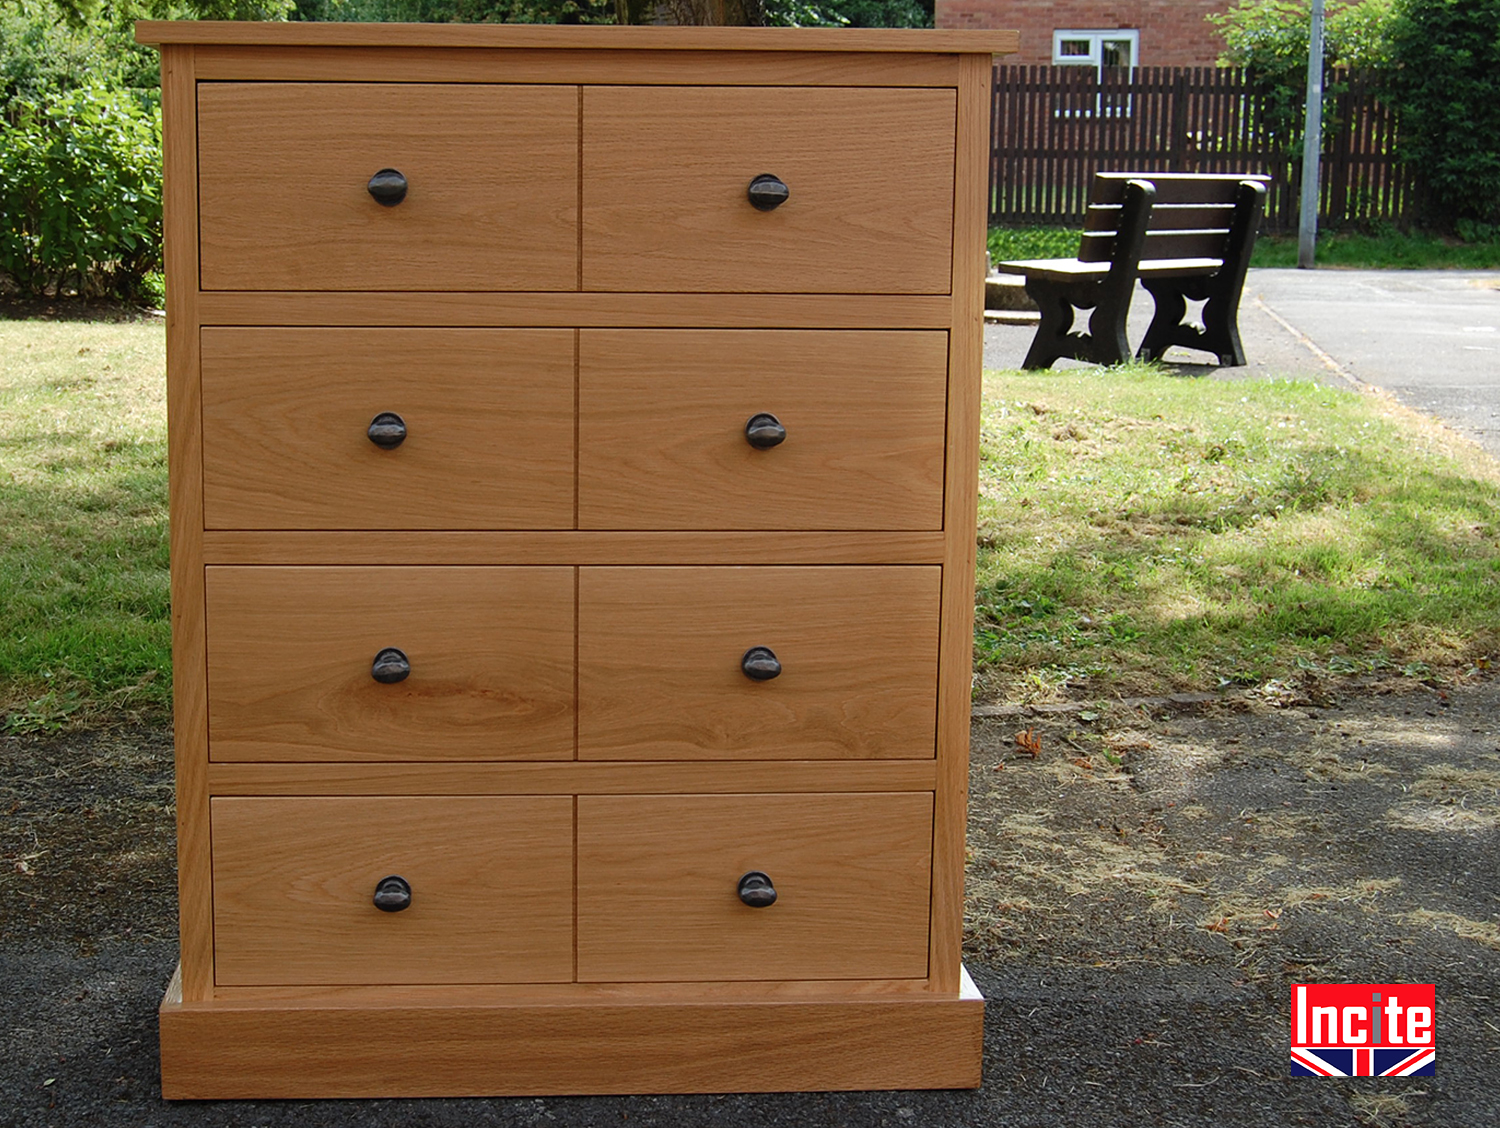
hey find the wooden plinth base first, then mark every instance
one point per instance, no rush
(248, 1048)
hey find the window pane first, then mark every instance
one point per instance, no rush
(1074, 48)
(1116, 53)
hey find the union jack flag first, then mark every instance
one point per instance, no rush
(1325, 1062)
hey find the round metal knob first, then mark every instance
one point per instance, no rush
(392, 894)
(390, 666)
(388, 187)
(760, 664)
(757, 891)
(767, 192)
(387, 430)
(763, 431)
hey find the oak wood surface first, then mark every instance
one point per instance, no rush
(662, 416)
(489, 418)
(290, 653)
(660, 650)
(264, 1051)
(657, 881)
(566, 310)
(576, 37)
(491, 890)
(493, 175)
(956, 657)
(665, 173)
(586, 547)
(326, 996)
(185, 533)
(573, 777)
(612, 66)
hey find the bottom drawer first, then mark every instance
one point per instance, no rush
(294, 879)
(659, 880)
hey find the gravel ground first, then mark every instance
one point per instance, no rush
(1142, 893)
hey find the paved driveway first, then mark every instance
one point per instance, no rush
(1430, 337)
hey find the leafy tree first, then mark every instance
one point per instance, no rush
(456, 11)
(1269, 38)
(1447, 86)
(80, 195)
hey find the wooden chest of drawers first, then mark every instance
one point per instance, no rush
(573, 451)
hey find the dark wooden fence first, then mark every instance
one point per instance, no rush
(1052, 128)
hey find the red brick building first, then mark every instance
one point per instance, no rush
(1137, 33)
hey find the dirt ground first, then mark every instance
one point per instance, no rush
(1142, 891)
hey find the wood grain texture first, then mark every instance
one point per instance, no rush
(402, 547)
(258, 1051)
(290, 651)
(185, 506)
(493, 174)
(662, 418)
(565, 310)
(525, 994)
(572, 778)
(577, 37)
(956, 660)
(657, 880)
(608, 66)
(489, 418)
(870, 173)
(659, 652)
(491, 890)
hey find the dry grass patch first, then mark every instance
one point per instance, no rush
(1480, 931)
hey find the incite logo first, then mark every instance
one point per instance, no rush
(1363, 1029)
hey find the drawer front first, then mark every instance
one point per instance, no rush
(659, 879)
(490, 881)
(662, 663)
(666, 173)
(663, 440)
(284, 170)
(292, 653)
(487, 416)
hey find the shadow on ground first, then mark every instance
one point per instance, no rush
(1141, 894)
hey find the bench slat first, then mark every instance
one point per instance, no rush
(1172, 187)
(1099, 246)
(1164, 217)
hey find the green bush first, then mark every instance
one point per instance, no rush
(80, 195)
(1447, 85)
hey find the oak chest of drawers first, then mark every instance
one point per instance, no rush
(573, 443)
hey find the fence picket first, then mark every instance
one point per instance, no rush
(1052, 128)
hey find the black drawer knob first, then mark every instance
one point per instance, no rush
(388, 187)
(760, 664)
(392, 894)
(387, 430)
(757, 891)
(768, 192)
(390, 666)
(763, 431)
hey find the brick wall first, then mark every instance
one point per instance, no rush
(1174, 33)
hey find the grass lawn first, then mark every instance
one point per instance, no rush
(1389, 249)
(1141, 532)
(1138, 532)
(83, 522)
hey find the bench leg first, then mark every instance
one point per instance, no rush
(1220, 334)
(1105, 342)
(1052, 340)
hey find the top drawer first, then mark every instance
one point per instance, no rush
(284, 171)
(869, 171)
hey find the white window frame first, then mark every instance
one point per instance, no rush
(1096, 38)
(1095, 58)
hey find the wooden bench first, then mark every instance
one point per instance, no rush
(1187, 236)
